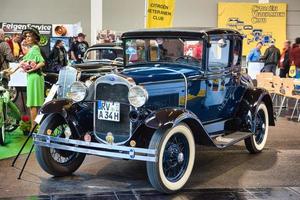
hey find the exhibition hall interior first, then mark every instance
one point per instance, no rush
(150, 99)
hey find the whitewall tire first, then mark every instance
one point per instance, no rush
(257, 142)
(176, 154)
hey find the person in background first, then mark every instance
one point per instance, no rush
(285, 60)
(58, 56)
(295, 56)
(271, 58)
(15, 45)
(32, 63)
(255, 53)
(6, 55)
(79, 48)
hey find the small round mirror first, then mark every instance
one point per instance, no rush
(222, 43)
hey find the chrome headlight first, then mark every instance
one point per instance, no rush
(137, 96)
(88, 83)
(78, 91)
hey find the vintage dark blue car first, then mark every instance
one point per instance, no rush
(179, 88)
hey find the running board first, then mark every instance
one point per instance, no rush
(228, 140)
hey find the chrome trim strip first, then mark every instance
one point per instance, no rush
(105, 150)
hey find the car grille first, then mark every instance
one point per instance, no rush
(117, 93)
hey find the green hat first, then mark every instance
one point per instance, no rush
(33, 30)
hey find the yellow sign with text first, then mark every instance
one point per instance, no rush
(160, 13)
(257, 22)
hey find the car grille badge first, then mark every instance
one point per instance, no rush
(109, 138)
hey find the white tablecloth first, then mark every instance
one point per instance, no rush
(19, 78)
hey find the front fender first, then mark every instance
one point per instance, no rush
(252, 98)
(56, 106)
(170, 117)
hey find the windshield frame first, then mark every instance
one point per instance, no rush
(201, 66)
(116, 48)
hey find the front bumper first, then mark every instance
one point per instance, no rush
(94, 148)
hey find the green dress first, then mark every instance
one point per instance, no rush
(35, 81)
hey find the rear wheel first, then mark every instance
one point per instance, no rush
(55, 161)
(256, 142)
(176, 154)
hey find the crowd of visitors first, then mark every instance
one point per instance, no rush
(14, 49)
(273, 58)
(24, 48)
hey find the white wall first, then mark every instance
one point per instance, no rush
(122, 15)
(199, 13)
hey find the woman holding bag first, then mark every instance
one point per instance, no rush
(296, 56)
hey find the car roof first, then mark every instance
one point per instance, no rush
(178, 31)
(105, 45)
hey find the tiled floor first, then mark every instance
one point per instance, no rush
(273, 175)
(197, 194)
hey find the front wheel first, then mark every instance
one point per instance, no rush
(256, 142)
(176, 154)
(55, 161)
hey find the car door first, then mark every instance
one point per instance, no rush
(219, 81)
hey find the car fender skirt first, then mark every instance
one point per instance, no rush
(56, 106)
(170, 117)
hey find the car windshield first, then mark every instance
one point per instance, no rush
(170, 50)
(100, 54)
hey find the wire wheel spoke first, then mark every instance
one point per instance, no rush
(260, 127)
(175, 158)
(61, 156)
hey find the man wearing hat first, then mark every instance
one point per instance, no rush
(79, 48)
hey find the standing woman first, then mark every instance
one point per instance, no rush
(32, 63)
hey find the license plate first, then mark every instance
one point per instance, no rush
(108, 110)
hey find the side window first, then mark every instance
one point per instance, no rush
(237, 52)
(218, 54)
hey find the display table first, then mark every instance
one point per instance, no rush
(254, 68)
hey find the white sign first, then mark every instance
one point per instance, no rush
(254, 68)
(19, 78)
(50, 96)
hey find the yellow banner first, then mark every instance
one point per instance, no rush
(264, 23)
(160, 13)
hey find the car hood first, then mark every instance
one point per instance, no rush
(159, 72)
(94, 65)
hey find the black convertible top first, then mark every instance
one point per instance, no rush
(177, 32)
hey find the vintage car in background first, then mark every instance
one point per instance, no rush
(100, 58)
(179, 88)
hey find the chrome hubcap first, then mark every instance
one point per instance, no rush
(180, 157)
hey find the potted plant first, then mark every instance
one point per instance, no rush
(25, 124)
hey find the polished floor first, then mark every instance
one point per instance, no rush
(218, 174)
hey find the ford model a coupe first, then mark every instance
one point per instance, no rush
(178, 88)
